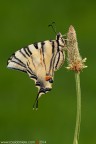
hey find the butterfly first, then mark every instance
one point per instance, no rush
(40, 61)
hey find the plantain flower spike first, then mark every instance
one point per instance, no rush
(75, 61)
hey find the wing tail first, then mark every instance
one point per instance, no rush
(35, 105)
(41, 91)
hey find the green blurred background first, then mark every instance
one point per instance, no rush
(23, 22)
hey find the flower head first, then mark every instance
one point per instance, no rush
(75, 61)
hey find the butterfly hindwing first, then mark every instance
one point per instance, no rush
(38, 63)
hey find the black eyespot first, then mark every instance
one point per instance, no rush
(51, 80)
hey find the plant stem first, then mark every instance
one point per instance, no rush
(78, 117)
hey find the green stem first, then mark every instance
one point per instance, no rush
(78, 117)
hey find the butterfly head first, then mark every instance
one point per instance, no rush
(60, 40)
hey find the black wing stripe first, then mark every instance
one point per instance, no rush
(54, 59)
(42, 46)
(17, 69)
(30, 70)
(51, 62)
(29, 50)
(57, 60)
(37, 83)
(53, 46)
(36, 45)
(22, 53)
(18, 60)
(25, 50)
(18, 63)
(44, 90)
(34, 77)
(48, 89)
(57, 41)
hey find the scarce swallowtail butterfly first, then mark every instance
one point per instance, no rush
(40, 61)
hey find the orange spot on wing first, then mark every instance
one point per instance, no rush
(48, 78)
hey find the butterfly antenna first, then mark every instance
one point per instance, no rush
(52, 25)
(36, 102)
